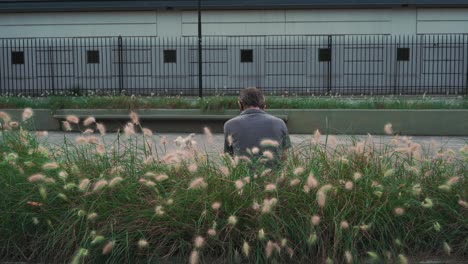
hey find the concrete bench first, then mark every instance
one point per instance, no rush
(162, 117)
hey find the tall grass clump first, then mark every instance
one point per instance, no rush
(94, 200)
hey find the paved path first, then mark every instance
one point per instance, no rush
(56, 138)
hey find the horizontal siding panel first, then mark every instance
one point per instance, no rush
(376, 27)
(442, 27)
(234, 16)
(78, 18)
(235, 29)
(77, 30)
(338, 15)
(447, 14)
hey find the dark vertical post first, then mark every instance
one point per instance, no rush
(465, 38)
(330, 63)
(51, 68)
(120, 51)
(200, 63)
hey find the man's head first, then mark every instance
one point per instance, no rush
(251, 97)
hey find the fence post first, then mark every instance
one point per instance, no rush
(466, 63)
(51, 69)
(120, 52)
(200, 62)
(330, 64)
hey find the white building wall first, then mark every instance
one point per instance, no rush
(236, 22)
(448, 20)
(71, 24)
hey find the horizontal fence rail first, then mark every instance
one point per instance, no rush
(281, 65)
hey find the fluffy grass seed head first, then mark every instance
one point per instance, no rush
(357, 176)
(194, 257)
(462, 203)
(265, 172)
(246, 249)
(399, 211)
(134, 118)
(63, 175)
(84, 184)
(208, 135)
(101, 128)
(100, 149)
(142, 243)
(239, 184)
(129, 129)
(147, 132)
(230, 140)
(389, 172)
(72, 119)
(321, 198)
(159, 210)
(66, 126)
(312, 182)
(192, 168)
(99, 185)
(312, 239)
(211, 232)
(27, 114)
(92, 216)
(50, 166)
(447, 249)
(268, 204)
(199, 242)
(344, 224)
(315, 220)
(161, 177)
(373, 256)
(198, 183)
(81, 140)
(232, 220)
(402, 259)
(349, 185)
(269, 143)
(388, 129)
(255, 150)
(298, 171)
(427, 203)
(261, 234)
(270, 187)
(269, 249)
(216, 205)
(294, 182)
(5, 117)
(348, 257)
(317, 136)
(115, 181)
(36, 178)
(268, 154)
(224, 170)
(108, 248)
(453, 180)
(89, 121)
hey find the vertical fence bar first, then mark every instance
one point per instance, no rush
(120, 65)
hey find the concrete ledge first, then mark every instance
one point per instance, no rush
(299, 121)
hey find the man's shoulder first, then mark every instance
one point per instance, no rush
(275, 119)
(232, 121)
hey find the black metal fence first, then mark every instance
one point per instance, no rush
(302, 65)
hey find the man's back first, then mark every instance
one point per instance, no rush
(251, 127)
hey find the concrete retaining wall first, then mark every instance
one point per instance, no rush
(335, 121)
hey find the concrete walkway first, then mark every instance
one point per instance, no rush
(455, 143)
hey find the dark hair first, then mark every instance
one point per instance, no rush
(252, 97)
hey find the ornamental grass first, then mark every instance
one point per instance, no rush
(129, 200)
